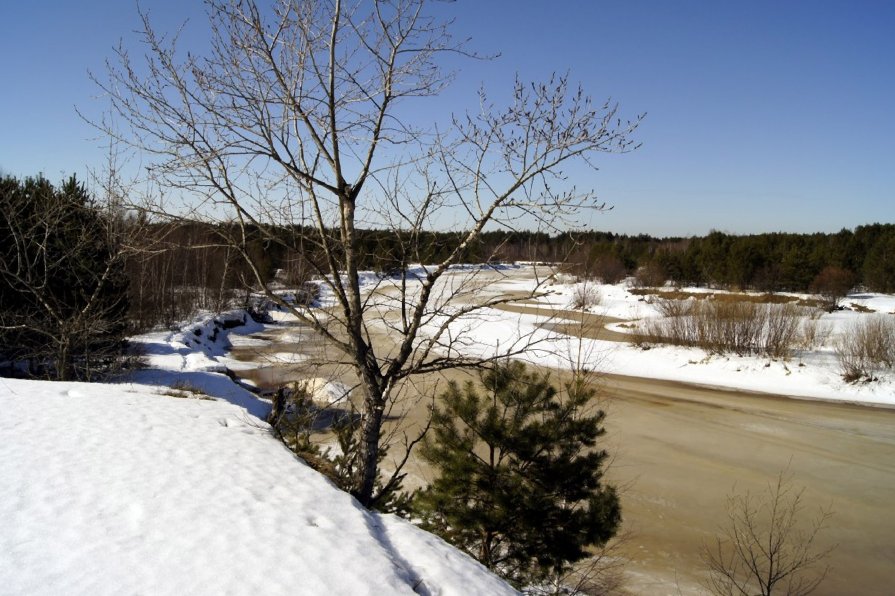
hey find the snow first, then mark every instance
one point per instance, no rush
(281, 358)
(173, 484)
(813, 374)
(200, 345)
(809, 375)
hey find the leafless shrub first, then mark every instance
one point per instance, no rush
(880, 333)
(813, 332)
(305, 294)
(606, 268)
(651, 275)
(733, 326)
(866, 347)
(584, 296)
(782, 330)
(725, 326)
(609, 269)
(603, 573)
(563, 278)
(832, 285)
(768, 544)
(675, 327)
(674, 308)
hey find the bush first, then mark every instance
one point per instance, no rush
(650, 275)
(813, 333)
(721, 326)
(584, 296)
(781, 330)
(769, 544)
(609, 269)
(832, 284)
(866, 348)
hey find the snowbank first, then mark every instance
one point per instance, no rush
(173, 484)
(117, 489)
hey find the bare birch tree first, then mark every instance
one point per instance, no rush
(293, 124)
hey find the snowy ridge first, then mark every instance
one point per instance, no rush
(199, 345)
(195, 356)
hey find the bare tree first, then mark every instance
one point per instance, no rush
(600, 574)
(769, 546)
(291, 125)
(833, 284)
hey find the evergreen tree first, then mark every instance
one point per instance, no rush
(520, 475)
(62, 282)
(879, 265)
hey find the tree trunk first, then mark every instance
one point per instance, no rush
(374, 407)
(63, 364)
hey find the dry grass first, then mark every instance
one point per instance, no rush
(860, 308)
(767, 298)
(186, 390)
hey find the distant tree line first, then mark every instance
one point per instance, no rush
(764, 262)
(178, 268)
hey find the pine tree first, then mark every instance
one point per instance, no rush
(520, 475)
(62, 280)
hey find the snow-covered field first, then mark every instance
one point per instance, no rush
(140, 488)
(811, 374)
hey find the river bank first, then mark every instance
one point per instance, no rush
(678, 451)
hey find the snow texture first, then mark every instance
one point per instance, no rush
(118, 489)
(173, 484)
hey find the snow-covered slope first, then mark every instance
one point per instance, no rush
(120, 489)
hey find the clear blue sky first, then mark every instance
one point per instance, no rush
(761, 116)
